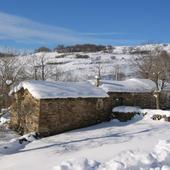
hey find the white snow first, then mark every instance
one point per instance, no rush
(16, 144)
(129, 85)
(8, 82)
(126, 109)
(159, 158)
(113, 145)
(149, 113)
(51, 89)
(5, 115)
(5, 118)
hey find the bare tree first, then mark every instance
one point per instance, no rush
(56, 73)
(118, 73)
(155, 66)
(39, 68)
(11, 72)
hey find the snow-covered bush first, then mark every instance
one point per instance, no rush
(16, 144)
(125, 113)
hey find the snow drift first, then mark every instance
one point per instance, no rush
(158, 159)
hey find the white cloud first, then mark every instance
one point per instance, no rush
(22, 30)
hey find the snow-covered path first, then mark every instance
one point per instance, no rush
(101, 142)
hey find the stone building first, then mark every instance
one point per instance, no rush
(54, 107)
(134, 92)
(165, 97)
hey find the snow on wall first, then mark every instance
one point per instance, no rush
(51, 90)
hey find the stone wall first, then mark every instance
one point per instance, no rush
(143, 100)
(61, 115)
(165, 100)
(25, 112)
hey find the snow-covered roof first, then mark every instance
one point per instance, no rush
(52, 90)
(129, 85)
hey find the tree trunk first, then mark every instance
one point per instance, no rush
(43, 72)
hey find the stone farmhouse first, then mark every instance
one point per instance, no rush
(54, 107)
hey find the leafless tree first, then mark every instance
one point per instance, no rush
(11, 72)
(155, 66)
(56, 73)
(118, 73)
(39, 68)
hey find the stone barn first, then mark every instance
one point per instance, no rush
(54, 107)
(135, 92)
(130, 92)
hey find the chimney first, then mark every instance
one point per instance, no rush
(97, 81)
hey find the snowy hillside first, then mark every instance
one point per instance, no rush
(82, 66)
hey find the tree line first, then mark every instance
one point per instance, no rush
(73, 48)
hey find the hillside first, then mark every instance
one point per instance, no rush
(78, 66)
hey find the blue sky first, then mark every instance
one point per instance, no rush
(34, 23)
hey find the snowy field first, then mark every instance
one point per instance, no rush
(136, 144)
(120, 59)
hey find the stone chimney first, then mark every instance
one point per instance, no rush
(97, 81)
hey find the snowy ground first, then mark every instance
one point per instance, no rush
(6, 134)
(103, 143)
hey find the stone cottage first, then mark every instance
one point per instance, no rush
(54, 107)
(134, 92)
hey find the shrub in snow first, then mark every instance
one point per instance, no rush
(80, 56)
(156, 114)
(16, 144)
(125, 113)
